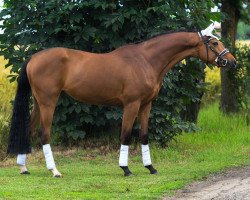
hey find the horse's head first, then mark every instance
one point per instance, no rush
(211, 50)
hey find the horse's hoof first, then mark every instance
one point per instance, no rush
(126, 170)
(151, 169)
(154, 171)
(58, 176)
(25, 172)
(128, 174)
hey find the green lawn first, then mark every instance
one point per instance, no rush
(221, 143)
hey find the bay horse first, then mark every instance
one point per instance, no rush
(130, 76)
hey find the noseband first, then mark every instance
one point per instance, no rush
(219, 59)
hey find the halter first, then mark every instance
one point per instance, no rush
(219, 59)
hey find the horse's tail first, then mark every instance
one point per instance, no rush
(19, 141)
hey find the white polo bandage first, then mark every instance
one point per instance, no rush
(21, 159)
(123, 159)
(50, 163)
(145, 155)
(23, 168)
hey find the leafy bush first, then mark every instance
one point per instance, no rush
(242, 75)
(101, 26)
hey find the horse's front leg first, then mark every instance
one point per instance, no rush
(130, 112)
(143, 120)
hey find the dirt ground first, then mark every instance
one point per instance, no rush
(233, 184)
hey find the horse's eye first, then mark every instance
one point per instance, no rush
(215, 43)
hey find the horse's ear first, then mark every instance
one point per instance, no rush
(208, 31)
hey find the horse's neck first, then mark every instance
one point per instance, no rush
(163, 52)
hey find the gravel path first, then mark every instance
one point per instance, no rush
(233, 184)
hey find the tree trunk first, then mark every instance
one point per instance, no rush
(228, 101)
(191, 112)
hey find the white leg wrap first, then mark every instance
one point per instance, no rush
(56, 172)
(50, 163)
(23, 168)
(145, 155)
(21, 159)
(123, 159)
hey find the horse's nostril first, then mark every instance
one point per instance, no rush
(234, 62)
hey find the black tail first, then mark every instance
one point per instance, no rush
(19, 142)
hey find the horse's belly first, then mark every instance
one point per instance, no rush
(97, 93)
(96, 99)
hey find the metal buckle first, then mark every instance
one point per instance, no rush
(224, 62)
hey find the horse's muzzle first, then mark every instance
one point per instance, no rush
(226, 63)
(232, 64)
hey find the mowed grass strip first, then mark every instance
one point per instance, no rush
(221, 143)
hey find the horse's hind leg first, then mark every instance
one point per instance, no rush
(47, 104)
(35, 117)
(130, 112)
(143, 119)
(21, 161)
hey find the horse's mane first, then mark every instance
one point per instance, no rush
(164, 33)
(146, 38)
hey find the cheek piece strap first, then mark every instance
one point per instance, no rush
(219, 59)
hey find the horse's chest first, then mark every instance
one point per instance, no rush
(152, 92)
(155, 91)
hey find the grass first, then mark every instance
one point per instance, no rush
(222, 142)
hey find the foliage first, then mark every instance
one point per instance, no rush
(7, 89)
(94, 173)
(4, 130)
(244, 8)
(242, 75)
(243, 31)
(101, 26)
